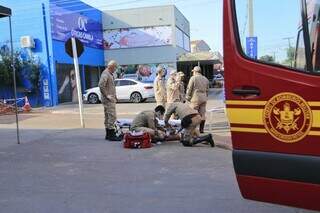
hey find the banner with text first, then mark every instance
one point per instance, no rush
(66, 23)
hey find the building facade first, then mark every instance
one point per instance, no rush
(140, 39)
(40, 30)
(199, 46)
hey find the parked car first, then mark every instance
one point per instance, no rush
(126, 89)
(218, 81)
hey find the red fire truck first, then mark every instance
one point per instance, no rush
(274, 106)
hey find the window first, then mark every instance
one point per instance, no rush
(273, 31)
(91, 76)
(127, 83)
(300, 60)
(179, 37)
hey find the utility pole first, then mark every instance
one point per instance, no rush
(289, 47)
(289, 40)
(274, 56)
(250, 17)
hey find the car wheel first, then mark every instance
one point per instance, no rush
(136, 97)
(93, 98)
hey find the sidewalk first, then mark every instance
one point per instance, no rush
(66, 121)
(66, 117)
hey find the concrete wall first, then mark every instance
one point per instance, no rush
(147, 55)
(138, 17)
(146, 17)
(181, 22)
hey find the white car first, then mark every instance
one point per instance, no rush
(126, 89)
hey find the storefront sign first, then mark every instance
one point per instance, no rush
(67, 23)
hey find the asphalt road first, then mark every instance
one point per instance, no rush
(61, 168)
(77, 171)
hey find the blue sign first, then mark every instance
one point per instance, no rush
(66, 23)
(252, 47)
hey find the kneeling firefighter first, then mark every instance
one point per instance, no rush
(147, 121)
(190, 120)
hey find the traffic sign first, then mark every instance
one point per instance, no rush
(74, 49)
(68, 47)
(252, 47)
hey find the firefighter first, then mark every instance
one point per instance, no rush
(182, 92)
(190, 120)
(108, 100)
(197, 94)
(147, 121)
(160, 87)
(173, 93)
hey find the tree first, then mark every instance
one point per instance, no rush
(267, 58)
(26, 69)
(6, 78)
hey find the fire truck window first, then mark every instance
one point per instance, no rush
(300, 59)
(269, 31)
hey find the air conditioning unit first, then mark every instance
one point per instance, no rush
(27, 42)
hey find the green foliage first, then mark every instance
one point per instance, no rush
(28, 69)
(267, 58)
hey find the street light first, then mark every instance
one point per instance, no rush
(6, 12)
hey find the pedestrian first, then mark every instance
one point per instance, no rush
(197, 94)
(182, 92)
(160, 87)
(147, 121)
(173, 93)
(190, 120)
(108, 100)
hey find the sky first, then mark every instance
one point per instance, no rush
(205, 16)
(274, 20)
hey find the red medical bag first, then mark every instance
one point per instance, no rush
(137, 140)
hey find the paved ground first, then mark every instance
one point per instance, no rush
(76, 171)
(62, 168)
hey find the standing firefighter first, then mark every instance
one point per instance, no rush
(190, 120)
(182, 92)
(197, 94)
(160, 87)
(173, 93)
(109, 99)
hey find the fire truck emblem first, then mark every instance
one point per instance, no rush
(287, 117)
